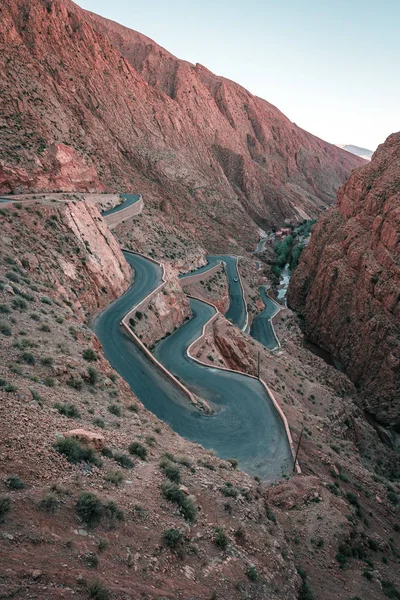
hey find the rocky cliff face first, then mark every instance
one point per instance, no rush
(135, 117)
(67, 246)
(348, 281)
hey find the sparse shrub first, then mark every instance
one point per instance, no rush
(233, 462)
(19, 304)
(46, 300)
(5, 330)
(390, 590)
(393, 497)
(270, 515)
(14, 483)
(123, 460)
(172, 538)
(170, 470)
(68, 410)
(229, 491)
(252, 573)
(97, 591)
(221, 539)
(27, 358)
(186, 505)
(99, 422)
(49, 381)
(76, 452)
(106, 451)
(91, 559)
(112, 512)
(93, 375)
(4, 309)
(50, 503)
(305, 592)
(115, 477)
(10, 388)
(89, 354)
(5, 507)
(76, 384)
(89, 508)
(137, 449)
(133, 407)
(47, 361)
(102, 545)
(353, 500)
(115, 410)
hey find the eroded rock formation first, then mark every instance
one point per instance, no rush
(347, 285)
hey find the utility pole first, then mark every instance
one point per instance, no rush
(259, 363)
(297, 451)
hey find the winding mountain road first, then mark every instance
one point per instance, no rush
(129, 199)
(245, 424)
(261, 328)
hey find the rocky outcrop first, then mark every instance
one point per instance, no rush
(60, 168)
(85, 101)
(70, 247)
(348, 281)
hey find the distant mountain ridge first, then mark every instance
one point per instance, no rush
(84, 98)
(362, 152)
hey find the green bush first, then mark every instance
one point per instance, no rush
(5, 330)
(390, 590)
(170, 470)
(234, 462)
(99, 422)
(252, 573)
(112, 512)
(229, 491)
(221, 539)
(14, 483)
(305, 592)
(133, 407)
(45, 328)
(19, 304)
(137, 449)
(123, 460)
(68, 410)
(186, 505)
(106, 451)
(172, 538)
(115, 410)
(47, 361)
(93, 376)
(89, 508)
(97, 591)
(270, 515)
(5, 507)
(76, 452)
(76, 384)
(50, 503)
(115, 477)
(89, 354)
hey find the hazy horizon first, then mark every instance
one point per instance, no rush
(329, 67)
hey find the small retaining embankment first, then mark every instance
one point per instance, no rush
(267, 389)
(198, 402)
(123, 214)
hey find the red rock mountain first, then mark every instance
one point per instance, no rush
(347, 285)
(137, 118)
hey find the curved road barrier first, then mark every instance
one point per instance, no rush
(130, 207)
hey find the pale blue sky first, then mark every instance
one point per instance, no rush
(332, 66)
